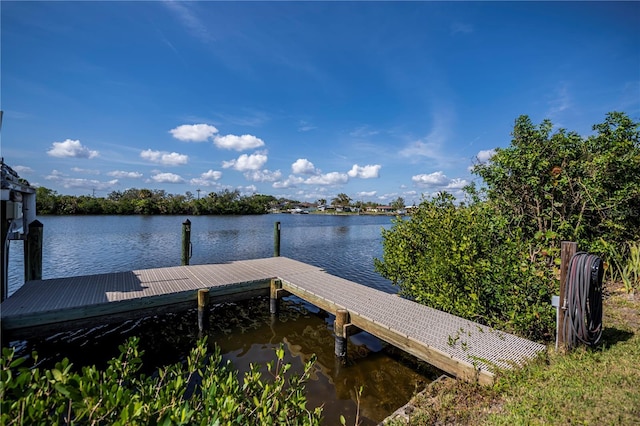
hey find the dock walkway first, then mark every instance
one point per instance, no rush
(460, 347)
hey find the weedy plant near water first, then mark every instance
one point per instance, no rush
(204, 391)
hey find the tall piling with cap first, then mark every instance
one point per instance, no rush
(276, 239)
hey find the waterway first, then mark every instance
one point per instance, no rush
(343, 245)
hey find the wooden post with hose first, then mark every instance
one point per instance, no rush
(567, 250)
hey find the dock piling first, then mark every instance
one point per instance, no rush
(276, 285)
(339, 329)
(33, 252)
(186, 242)
(276, 239)
(203, 311)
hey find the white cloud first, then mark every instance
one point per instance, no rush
(457, 183)
(263, 175)
(92, 184)
(23, 169)
(211, 175)
(125, 175)
(167, 178)
(366, 194)
(366, 172)
(438, 181)
(86, 171)
(388, 196)
(333, 178)
(193, 132)
(432, 179)
(290, 182)
(208, 178)
(71, 148)
(485, 155)
(238, 143)
(163, 157)
(248, 190)
(302, 166)
(246, 162)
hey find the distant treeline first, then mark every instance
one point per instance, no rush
(149, 202)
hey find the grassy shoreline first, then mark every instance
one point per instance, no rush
(587, 386)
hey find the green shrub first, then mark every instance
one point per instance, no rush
(204, 391)
(462, 259)
(582, 188)
(496, 260)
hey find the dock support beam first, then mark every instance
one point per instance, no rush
(33, 252)
(340, 331)
(186, 242)
(276, 239)
(567, 250)
(276, 287)
(203, 311)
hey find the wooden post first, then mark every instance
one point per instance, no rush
(33, 252)
(203, 311)
(567, 250)
(276, 239)
(4, 289)
(186, 242)
(273, 298)
(342, 318)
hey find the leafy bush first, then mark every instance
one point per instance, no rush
(463, 260)
(495, 260)
(203, 391)
(583, 189)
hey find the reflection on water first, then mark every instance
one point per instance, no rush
(343, 246)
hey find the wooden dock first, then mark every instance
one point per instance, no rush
(462, 348)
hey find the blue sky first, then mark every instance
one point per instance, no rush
(303, 100)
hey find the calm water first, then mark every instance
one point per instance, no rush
(81, 245)
(343, 245)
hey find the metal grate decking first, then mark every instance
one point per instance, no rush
(458, 346)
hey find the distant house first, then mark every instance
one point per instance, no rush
(384, 209)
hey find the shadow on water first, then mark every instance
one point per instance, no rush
(246, 333)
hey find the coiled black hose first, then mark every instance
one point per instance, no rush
(583, 301)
